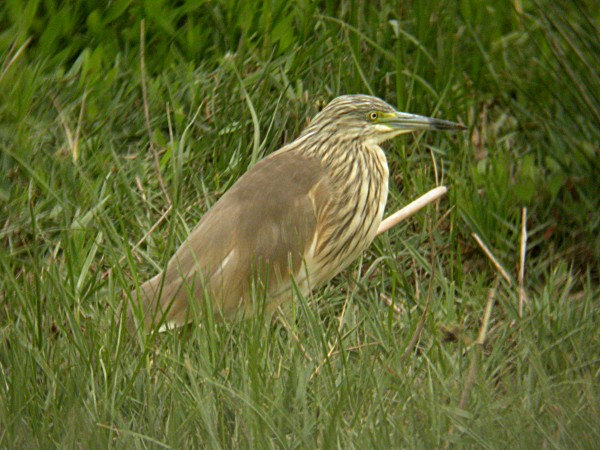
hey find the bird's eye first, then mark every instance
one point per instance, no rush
(373, 116)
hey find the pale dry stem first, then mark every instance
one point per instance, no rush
(411, 208)
(492, 258)
(72, 140)
(523, 252)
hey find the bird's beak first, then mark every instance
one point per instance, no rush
(405, 123)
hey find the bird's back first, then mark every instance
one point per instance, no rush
(236, 247)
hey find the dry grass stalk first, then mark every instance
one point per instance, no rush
(411, 208)
(523, 251)
(492, 258)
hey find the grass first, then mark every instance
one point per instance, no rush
(102, 182)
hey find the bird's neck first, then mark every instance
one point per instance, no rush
(358, 178)
(332, 152)
(346, 161)
(358, 171)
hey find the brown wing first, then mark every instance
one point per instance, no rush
(256, 235)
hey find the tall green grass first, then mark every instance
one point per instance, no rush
(94, 199)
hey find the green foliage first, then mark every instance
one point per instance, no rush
(95, 199)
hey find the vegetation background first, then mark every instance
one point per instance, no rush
(121, 122)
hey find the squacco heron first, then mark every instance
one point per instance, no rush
(296, 218)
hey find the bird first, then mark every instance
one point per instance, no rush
(290, 223)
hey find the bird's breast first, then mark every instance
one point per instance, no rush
(347, 228)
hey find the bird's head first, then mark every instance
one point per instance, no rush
(372, 120)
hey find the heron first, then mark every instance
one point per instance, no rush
(290, 223)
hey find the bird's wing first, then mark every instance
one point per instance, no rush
(256, 236)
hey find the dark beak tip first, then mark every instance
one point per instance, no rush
(451, 126)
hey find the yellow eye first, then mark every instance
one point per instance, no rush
(373, 116)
